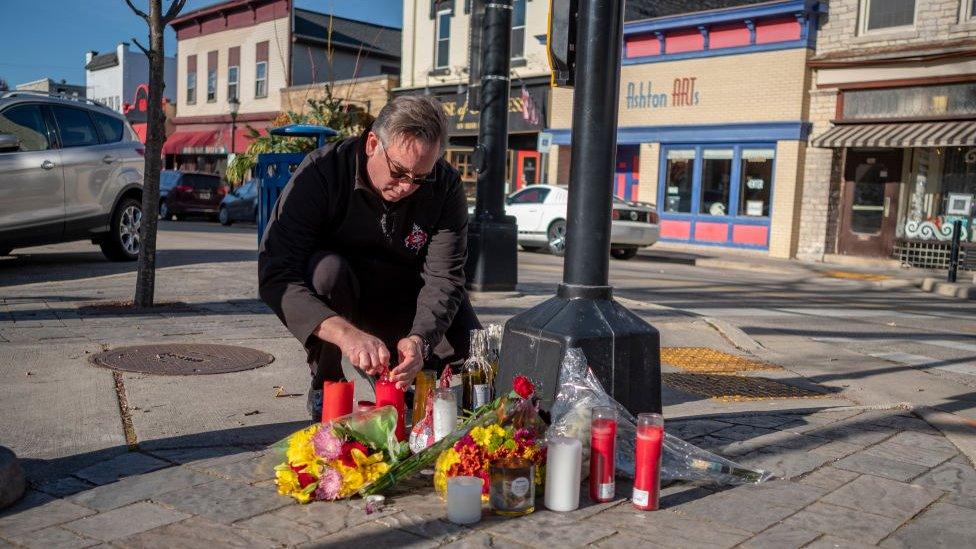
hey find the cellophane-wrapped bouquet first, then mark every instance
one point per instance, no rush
(334, 460)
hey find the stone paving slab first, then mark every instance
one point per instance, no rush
(138, 488)
(125, 521)
(924, 455)
(781, 536)
(223, 501)
(883, 497)
(738, 507)
(843, 522)
(125, 465)
(942, 525)
(36, 511)
(669, 529)
(53, 536)
(829, 478)
(195, 533)
(372, 534)
(863, 462)
(959, 479)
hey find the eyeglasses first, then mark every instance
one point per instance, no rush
(399, 173)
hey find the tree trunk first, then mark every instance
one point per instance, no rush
(146, 278)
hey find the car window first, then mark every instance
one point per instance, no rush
(201, 182)
(27, 123)
(530, 196)
(75, 127)
(112, 127)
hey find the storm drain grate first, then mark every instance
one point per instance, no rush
(709, 361)
(182, 359)
(732, 388)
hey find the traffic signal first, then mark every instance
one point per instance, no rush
(561, 41)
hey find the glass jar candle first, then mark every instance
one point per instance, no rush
(647, 461)
(445, 413)
(603, 437)
(511, 487)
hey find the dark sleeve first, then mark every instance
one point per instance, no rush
(444, 268)
(294, 233)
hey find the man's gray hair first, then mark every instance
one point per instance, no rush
(412, 116)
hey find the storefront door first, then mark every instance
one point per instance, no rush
(527, 168)
(870, 203)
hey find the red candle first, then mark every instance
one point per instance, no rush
(365, 405)
(387, 394)
(603, 435)
(647, 473)
(336, 399)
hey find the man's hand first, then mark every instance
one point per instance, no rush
(411, 362)
(366, 352)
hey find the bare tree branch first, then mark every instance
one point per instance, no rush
(137, 11)
(144, 50)
(174, 9)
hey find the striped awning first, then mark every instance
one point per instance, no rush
(901, 135)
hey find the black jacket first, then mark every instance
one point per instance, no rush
(420, 242)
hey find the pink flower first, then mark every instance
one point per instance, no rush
(327, 445)
(329, 484)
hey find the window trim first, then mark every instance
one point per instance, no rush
(437, 37)
(191, 98)
(966, 14)
(525, 7)
(864, 8)
(257, 79)
(215, 84)
(235, 82)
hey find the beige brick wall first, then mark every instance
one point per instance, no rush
(787, 189)
(757, 87)
(817, 180)
(934, 20)
(419, 42)
(650, 154)
(274, 31)
(370, 93)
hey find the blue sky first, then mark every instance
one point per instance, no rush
(49, 38)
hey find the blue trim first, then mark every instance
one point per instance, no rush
(737, 50)
(722, 16)
(706, 133)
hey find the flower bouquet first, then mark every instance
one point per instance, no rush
(334, 460)
(508, 426)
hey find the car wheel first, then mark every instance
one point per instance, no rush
(164, 210)
(123, 241)
(623, 253)
(223, 216)
(557, 237)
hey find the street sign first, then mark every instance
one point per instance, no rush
(561, 41)
(545, 141)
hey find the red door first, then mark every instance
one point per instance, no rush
(527, 168)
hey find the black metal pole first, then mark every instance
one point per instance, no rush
(954, 250)
(492, 247)
(594, 147)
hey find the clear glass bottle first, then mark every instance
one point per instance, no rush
(477, 373)
(494, 332)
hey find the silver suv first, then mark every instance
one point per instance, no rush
(70, 169)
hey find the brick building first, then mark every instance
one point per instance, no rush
(251, 50)
(712, 123)
(893, 155)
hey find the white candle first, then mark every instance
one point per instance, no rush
(563, 464)
(445, 413)
(464, 500)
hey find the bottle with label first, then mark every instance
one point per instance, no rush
(477, 374)
(494, 335)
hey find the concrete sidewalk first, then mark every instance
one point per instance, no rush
(854, 466)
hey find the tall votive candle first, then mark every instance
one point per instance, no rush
(647, 462)
(387, 394)
(563, 463)
(603, 436)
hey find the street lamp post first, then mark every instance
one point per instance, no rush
(234, 105)
(621, 349)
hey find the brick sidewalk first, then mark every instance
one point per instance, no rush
(848, 478)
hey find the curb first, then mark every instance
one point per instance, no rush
(959, 290)
(12, 482)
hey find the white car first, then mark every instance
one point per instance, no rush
(540, 212)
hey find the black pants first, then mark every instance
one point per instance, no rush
(382, 302)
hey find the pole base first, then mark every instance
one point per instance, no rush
(12, 482)
(622, 349)
(492, 263)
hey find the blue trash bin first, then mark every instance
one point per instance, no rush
(275, 169)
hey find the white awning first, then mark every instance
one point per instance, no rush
(900, 135)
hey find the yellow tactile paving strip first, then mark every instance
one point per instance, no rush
(854, 275)
(709, 361)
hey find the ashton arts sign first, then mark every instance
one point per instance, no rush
(683, 94)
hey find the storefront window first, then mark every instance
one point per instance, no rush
(756, 180)
(942, 189)
(680, 174)
(716, 183)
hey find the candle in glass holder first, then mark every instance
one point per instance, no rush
(424, 382)
(511, 487)
(647, 462)
(603, 434)
(445, 413)
(464, 500)
(563, 463)
(336, 399)
(365, 405)
(387, 394)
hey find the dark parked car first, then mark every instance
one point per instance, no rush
(241, 204)
(191, 193)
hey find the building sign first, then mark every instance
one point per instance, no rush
(643, 95)
(462, 119)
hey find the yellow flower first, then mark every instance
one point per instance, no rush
(300, 450)
(287, 480)
(445, 461)
(367, 469)
(483, 436)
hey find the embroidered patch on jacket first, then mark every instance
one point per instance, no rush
(416, 239)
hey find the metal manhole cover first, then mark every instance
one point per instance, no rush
(731, 388)
(182, 359)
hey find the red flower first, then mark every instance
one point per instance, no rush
(304, 479)
(523, 387)
(346, 455)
